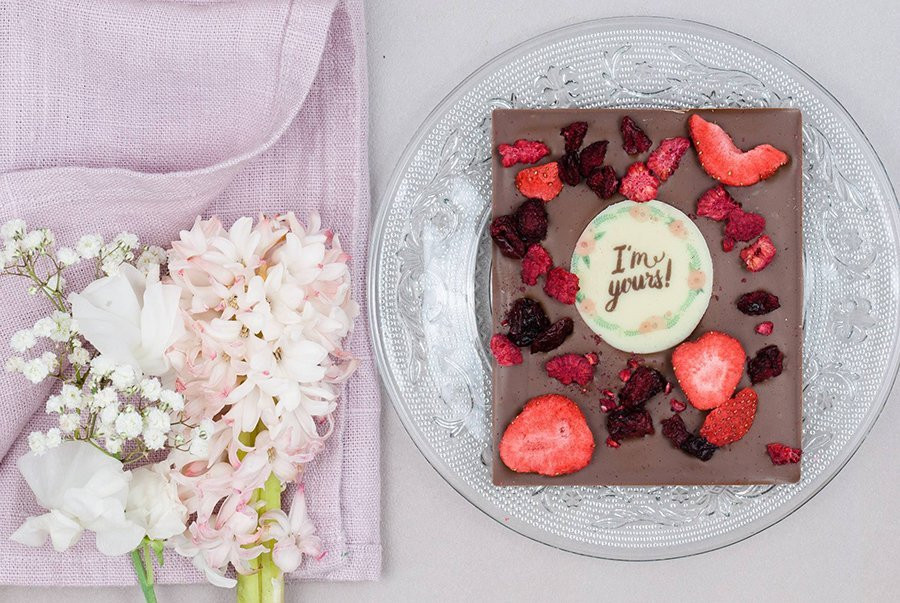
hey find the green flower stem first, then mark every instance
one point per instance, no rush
(249, 586)
(148, 561)
(271, 577)
(146, 585)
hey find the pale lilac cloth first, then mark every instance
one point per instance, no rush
(139, 115)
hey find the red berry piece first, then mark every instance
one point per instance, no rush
(554, 336)
(549, 437)
(664, 160)
(612, 443)
(730, 421)
(526, 320)
(744, 226)
(759, 255)
(716, 204)
(531, 221)
(505, 351)
(540, 182)
(727, 244)
(641, 385)
(675, 430)
(522, 151)
(765, 328)
(709, 368)
(639, 184)
(570, 368)
(757, 303)
(677, 405)
(570, 169)
(782, 454)
(573, 134)
(561, 285)
(506, 237)
(768, 363)
(592, 358)
(629, 423)
(603, 182)
(537, 262)
(635, 141)
(592, 157)
(698, 446)
(608, 393)
(727, 163)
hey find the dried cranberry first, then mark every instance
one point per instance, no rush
(592, 157)
(531, 221)
(553, 337)
(570, 169)
(603, 182)
(698, 446)
(635, 141)
(767, 363)
(675, 430)
(757, 303)
(629, 423)
(573, 134)
(644, 383)
(526, 320)
(503, 231)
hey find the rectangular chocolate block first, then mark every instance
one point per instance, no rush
(653, 460)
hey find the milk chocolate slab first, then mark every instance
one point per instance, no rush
(653, 460)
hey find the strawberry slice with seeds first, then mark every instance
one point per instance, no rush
(759, 255)
(709, 368)
(731, 421)
(664, 160)
(728, 164)
(540, 182)
(549, 437)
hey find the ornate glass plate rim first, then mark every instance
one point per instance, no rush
(851, 233)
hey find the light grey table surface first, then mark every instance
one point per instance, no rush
(843, 545)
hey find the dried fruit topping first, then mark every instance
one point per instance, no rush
(553, 337)
(522, 151)
(639, 184)
(635, 141)
(592, 358)
(677, 405)
(730, 421)
(540, 182)
(629, 423)
(531, 221)
(561, 285)
(744, 226)
(782, 454)
(716, 204)
(726, 162)
(644, 383)
(757, 303)
(592, 157)
(550, 437)
(759, 255)
(573, 134)
(765, 328)
(526, 320)
(698, 446)
(664, 160)
(570, 368)
(505, 351)
(768, 363)
(675, 430)
(709, 368)
(537, 263)
(570, 169)
(506, 238)
(624, 375)
(603, 182)
(727, 244)
(612, 443)
(607, 405)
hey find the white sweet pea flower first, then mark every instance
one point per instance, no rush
(153, 503)
(131, 318)
(89, 246)
(83, 489)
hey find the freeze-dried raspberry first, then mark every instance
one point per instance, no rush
(765, 328)
(639, 184)
(561, 285)
(744, 226)
(634, 139)
(759, 255)
(768, 363)
(757, 303)
(526, 320)
(522, 151)
(531, 221)
(554, 336)
(629, 423)
(573, 134)
(570, 368)
(782, 454)
(537, 262)
(505, 351)
(506, 237)
(716, 204)
(643, 384)
(675, 430)
(592, 157)
(664, 160)
(570, 169)
(727, 244)
(603, 182)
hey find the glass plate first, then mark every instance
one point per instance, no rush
(429, 272)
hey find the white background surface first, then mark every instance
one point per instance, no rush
(844, 545)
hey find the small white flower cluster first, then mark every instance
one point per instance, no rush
(59, 328)
(20, 244)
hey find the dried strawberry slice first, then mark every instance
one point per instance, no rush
(759, 255)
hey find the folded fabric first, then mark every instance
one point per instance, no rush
(130, 115)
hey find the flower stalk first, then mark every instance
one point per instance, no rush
(144, 574)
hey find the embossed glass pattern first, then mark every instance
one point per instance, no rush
(429, 279)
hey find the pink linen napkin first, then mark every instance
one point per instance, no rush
(132, 115)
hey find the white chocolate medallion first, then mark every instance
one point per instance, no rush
(645, 276)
